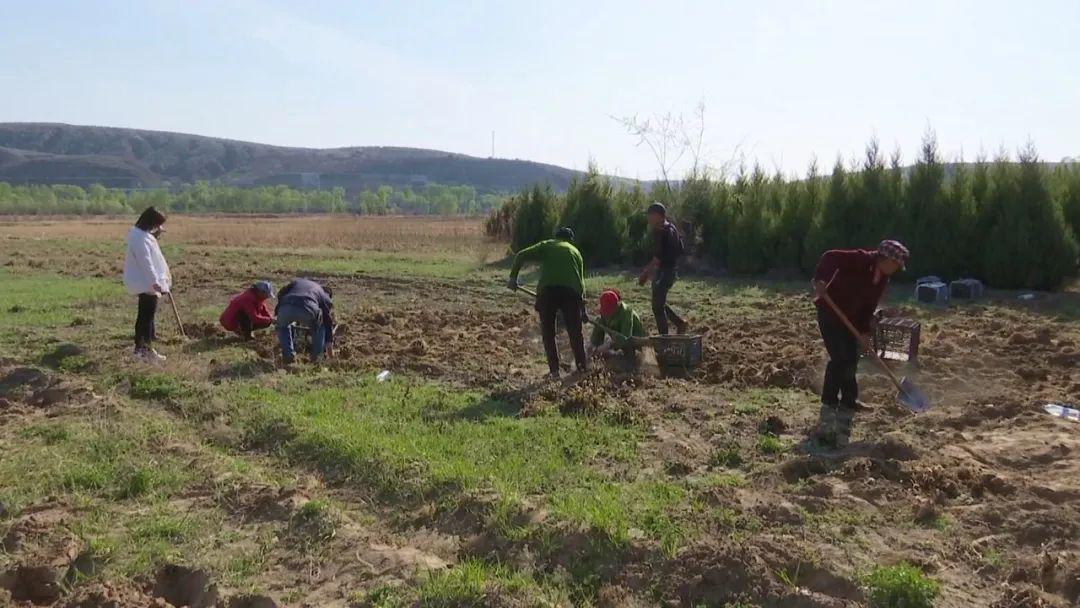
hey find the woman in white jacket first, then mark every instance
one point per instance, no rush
(146, 274)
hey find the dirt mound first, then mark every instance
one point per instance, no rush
(34, 523)
(183, 586)
(262, 503)
(58, 356)
(1056, 573)
(38, 388)
(21, 380)
(715, 575)
(109, 595)
(251, 601)
(383, 559)
(780, 351)
(48, 554)
(34, 584)
(596, 392)
(203, 330)
(1027, 597)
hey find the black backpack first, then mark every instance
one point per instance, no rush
(676, 247)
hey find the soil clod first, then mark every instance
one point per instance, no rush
(183, 586)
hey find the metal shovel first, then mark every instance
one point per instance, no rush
(908, 394)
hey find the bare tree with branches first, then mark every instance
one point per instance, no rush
(671, 137)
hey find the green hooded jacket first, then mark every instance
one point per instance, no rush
(625, 321)
(560, 264)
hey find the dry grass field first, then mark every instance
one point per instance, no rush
(222, 478)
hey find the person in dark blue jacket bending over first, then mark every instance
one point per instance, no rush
(306, 304)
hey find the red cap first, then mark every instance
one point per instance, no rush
(609, 302)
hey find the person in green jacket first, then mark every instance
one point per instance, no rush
(561, 288)
(616, 316)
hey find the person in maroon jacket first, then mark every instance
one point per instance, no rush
(247, 310)
(854, 279)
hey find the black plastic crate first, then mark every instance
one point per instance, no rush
(677, 351)
(897, 339)
(966, 289)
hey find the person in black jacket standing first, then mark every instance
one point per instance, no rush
(667, 248)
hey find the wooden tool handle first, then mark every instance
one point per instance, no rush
(176, 313)
(855, 332)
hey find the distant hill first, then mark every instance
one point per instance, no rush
(53, 153)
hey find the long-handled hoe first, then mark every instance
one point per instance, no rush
(176, 315)
(907, 394)
(637, 341)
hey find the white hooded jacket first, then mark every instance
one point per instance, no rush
(144, 266)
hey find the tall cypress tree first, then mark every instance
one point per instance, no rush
(535, 217)
(957, 217)
(892, 215)
(868, 199)
(590, 212)
(927, 238)
(831, 229)
(747, 252)
(716, 223)
(1029, 245)
(1068, 178)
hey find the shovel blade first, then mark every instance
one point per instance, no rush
(911, 397)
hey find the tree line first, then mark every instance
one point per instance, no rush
(201, 197)
(1011, 222)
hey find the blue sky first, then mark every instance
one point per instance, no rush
(782, 81)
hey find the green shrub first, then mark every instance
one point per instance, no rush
(900, 586)
(156, 386)
(1068, 182)
(1011, 224)
(728, 457)
(535, 217)
(1030, 245)
(590, 211)
(771, 444)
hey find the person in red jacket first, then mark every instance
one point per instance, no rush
(247, 310)
(854, 279)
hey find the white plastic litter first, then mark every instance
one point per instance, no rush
(1062, 411)
(383, 375)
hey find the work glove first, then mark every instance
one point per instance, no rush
(512, 284)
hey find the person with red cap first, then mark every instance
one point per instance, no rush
(247, 310)
(855, 280)
(622, 322)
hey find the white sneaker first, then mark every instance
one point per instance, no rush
(148, 355)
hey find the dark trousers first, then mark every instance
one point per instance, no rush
(244, 326)
(549, 302)
(661, 284)
(144, 321)
(840, 386)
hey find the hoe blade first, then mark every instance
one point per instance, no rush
(911, 397)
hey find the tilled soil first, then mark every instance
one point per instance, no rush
(986, 465)
(982, 492)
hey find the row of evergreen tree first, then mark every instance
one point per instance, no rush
(1012, 223)
(201, 197)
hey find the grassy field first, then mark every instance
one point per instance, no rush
(467, 480)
